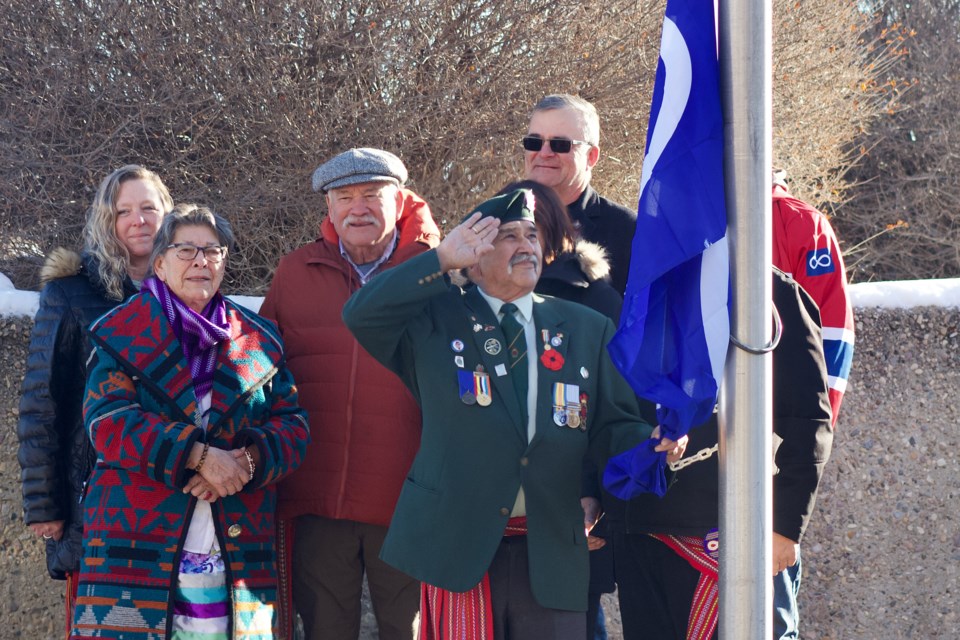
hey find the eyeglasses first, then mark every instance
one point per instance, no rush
(187, 251)
(557, 145)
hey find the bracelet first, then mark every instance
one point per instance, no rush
(203, 456)
(253, 466)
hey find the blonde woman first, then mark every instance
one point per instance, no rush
(55, 454)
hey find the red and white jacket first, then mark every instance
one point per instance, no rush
(805, 247)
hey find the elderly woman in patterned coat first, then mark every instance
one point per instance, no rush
(194, 418)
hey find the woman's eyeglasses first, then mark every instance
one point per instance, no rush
(557, 145)
(187, 251)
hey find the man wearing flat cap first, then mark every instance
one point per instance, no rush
(364, 423)
(514, 389)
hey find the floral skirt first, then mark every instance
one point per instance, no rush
(201, 605)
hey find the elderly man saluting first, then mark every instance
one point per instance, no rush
(514, 389)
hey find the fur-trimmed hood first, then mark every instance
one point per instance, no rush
(61, 263)
(65, 263)
(586, 264)
(593, 260)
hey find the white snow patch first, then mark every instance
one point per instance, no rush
(907, 294)
(900, 294)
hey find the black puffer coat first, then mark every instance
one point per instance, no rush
(55, 454)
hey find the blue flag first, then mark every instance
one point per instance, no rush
(674, 328)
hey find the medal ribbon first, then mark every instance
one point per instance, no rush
(481, 383)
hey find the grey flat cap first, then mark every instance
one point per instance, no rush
(359, 165)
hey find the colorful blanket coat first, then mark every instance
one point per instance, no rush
(141, 414)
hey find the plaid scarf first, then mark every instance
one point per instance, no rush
(199, 333)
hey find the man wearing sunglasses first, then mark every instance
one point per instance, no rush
(560, 150)
(561, 147)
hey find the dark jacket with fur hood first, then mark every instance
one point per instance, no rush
(582, 276)
(55, 454)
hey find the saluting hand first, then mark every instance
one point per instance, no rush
(467, 243)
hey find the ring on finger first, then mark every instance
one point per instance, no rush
(46, 537)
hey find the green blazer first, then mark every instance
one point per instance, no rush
(472, 460)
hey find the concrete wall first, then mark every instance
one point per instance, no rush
(882, 554)
(881, 557)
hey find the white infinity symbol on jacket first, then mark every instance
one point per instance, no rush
(820, 260)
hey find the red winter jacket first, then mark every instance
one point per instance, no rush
(364, 424)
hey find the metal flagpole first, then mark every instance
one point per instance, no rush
(746, 406)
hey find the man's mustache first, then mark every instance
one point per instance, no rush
(520, 259)
(364, 219)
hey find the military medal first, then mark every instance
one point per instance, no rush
(559, 404)
(492, 346)
(481, 383)
(465, 380)
(572, 405)
(556, 341)
(560, 418)
(550, 358)
(583, 411)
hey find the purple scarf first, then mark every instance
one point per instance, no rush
(199, 333)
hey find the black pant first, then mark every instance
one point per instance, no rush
(655, 587)
(601, 581)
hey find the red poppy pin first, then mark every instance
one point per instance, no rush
(552, 359)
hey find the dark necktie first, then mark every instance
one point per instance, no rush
(517, 353)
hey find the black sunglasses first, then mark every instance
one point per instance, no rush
(557, 145)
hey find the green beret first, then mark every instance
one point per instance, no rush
(516, 205)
